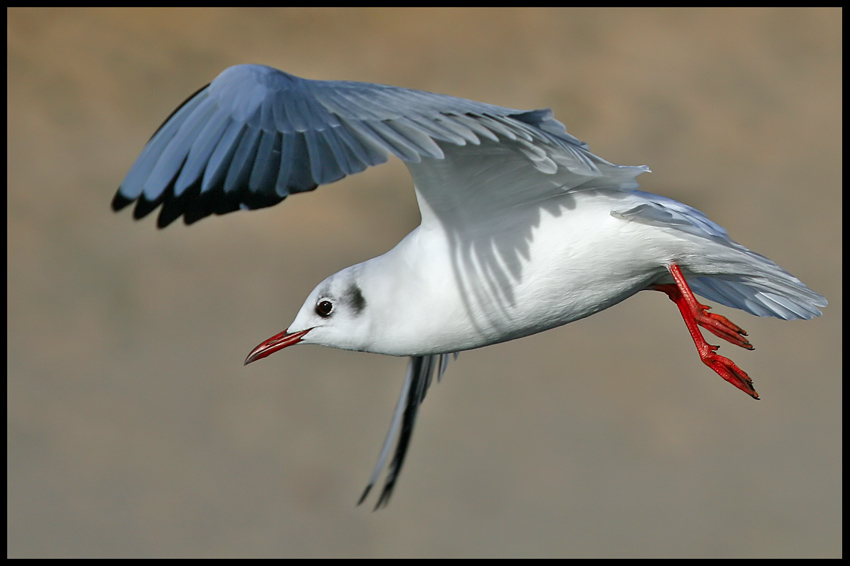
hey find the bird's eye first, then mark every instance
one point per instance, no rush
(324, 308)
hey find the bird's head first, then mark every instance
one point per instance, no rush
(335, 314)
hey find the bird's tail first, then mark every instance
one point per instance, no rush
(759, 286)
(731, 274)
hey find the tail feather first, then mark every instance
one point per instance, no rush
(767, 290)
(723, 270)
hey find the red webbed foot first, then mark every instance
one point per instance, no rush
(696, 314)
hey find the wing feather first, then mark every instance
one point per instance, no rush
(255, 135)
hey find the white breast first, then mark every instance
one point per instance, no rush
(451, 291)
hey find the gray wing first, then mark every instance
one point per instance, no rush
(420, 373)
(255, 135)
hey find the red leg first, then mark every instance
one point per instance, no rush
(694, 313)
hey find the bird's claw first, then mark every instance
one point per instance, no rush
(722, 327)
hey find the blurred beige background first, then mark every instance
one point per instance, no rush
(134, 429)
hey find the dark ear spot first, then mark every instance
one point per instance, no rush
(355, 298)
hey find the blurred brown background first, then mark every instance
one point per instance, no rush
(134, 430)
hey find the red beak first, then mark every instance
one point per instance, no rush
(275, 343)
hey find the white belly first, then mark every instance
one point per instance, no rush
(563, 265)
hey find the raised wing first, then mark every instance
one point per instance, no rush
(255, 135)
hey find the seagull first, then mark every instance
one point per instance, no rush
(522, 229)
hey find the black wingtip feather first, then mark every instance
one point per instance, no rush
(422, 370)
(193, 205)
(144, 207)
(119, 201)
(365, 494)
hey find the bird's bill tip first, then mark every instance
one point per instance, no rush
(275, 343)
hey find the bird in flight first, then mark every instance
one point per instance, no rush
(522, 229)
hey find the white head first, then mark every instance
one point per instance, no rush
(335, 314)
